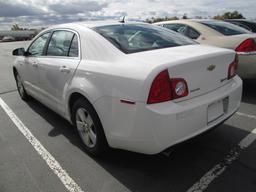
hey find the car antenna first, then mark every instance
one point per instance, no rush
(123, 20)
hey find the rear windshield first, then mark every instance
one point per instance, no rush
(225, 28)
(132, 38)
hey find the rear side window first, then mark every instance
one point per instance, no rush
(132, 38)
(241, 25)
(225, 28)
(192, 33)
(74, 51)
(61, 43)
(250, 26)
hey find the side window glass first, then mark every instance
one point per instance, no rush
(74, 51)
(37, 47)
(243, 25)
(192, 33)
(60, 43)
(176, 27)
(182, 30)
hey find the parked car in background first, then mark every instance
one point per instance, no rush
(20, 35)
(247, 24)
(8, 39)
(131, 86)
(221, 34)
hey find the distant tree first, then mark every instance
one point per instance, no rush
(230, 15)
(159, 19)
(15, 27)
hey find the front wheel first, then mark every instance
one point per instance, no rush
(89, 128)
(20, 87)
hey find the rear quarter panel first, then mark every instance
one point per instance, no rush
(229, 42)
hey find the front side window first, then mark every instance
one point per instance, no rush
(184, 30)
(60, 43)
(225, 28)
(37, 47)
(132, 38)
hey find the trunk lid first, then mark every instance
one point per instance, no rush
(204, 68)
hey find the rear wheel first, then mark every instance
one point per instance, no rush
(20, 87)
(89, 128)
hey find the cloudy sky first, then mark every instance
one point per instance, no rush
(35, 13)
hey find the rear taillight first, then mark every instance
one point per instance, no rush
(233, 68)
(247, 46)
(165, 89)
(160, 89)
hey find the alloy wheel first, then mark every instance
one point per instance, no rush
(86, 127)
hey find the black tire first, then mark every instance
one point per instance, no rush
(20, 87)
(101, 146)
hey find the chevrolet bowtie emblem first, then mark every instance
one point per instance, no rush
(211, 67)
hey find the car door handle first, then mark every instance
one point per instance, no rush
(34, 64)
(64, 69)
(20, 62)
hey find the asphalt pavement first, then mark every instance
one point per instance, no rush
(223, 159)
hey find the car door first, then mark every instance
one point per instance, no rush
(30, 73)
(61, 59)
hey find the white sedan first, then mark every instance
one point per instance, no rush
(221, 34)
(130, 86)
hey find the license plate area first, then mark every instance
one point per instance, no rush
(216, 110)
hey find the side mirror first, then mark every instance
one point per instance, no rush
(19, 52)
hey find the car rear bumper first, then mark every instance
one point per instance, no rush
(247, 66)
(150, 129)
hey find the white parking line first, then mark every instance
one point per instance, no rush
(68, 182)
(218, 169)
(233, 155)
(246, 115)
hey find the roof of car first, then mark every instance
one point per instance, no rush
(236, 20)
(190, 20)
(180, 20)
(247, 20)
(92, 24)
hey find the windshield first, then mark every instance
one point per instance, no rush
(225, 28)
(132, 38)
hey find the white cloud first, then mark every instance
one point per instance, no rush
(47, 12)
(143, 8)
